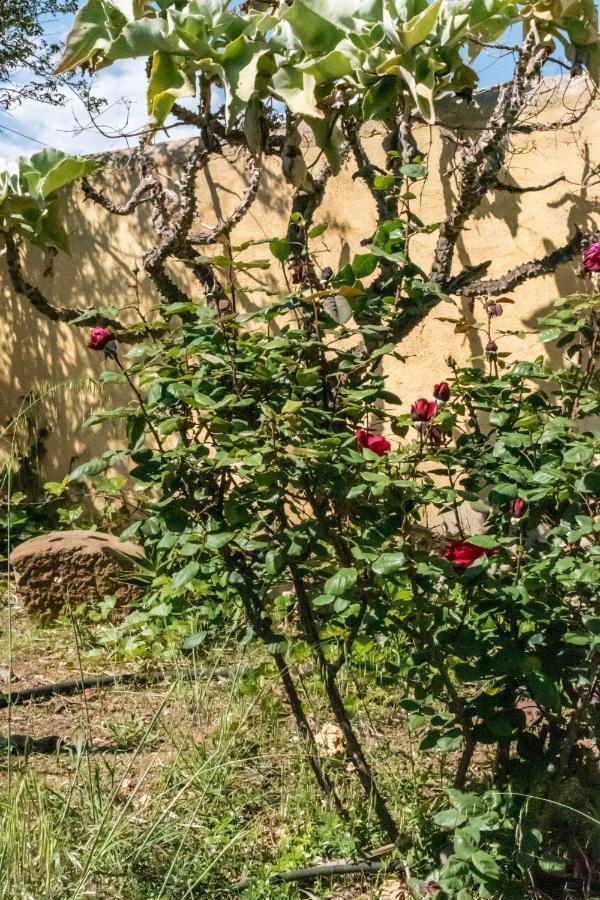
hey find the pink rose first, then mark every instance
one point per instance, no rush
(99, 338)
(423, 410)
(375, 442)
(591, 258)
(462, 553)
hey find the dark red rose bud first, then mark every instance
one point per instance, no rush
(375, 442)
(462, 553)
(491, 348)
(327, 274)
(495, 309)
(422, 411)
(101, 339)
(441, 392)
(517, 508)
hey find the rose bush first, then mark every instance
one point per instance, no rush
(262, 484)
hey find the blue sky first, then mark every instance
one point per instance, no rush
(32, 125)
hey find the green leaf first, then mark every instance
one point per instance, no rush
(549, 334)
(88, 33)
(545, 692)
(318, 230)
(162, 610)
(484, 540)
(486, 864)
(364, 264)
(590, 483)
(67, 170)
(168, 82)
(280, 249)
(185, 575)
(414, 170)
(341, 582)
(450, 818)
(313, 25)
(291, 407)
(274, 562)
(338, 308)
(384, 182)
(420, 26)
(388, 563)
(217, 541)
(578, 454)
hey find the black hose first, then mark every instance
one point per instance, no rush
(327, 870)
(78, 685)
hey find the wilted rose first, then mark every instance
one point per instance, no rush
(422, 411)
(591, 258)
(495, 309)
(441, 392)
(462, 553)
(375, 442)
(517, 508)
(491, 348)
(100, 339)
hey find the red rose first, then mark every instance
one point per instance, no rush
(441, 392)
(423, 410)
(517, 508)
(375, 442)
(591, 258)
(99, 338)
(462, 553)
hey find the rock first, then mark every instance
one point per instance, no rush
(72, 566)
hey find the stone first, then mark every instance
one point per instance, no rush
(62, 567)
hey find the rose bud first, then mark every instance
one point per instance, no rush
(374, 442)
(462, 553)
(517, 508)
(327, 274)
(441, 392)
(495, 309)
(491, 348)
(102, 339)
(591, 258)
(422, 411)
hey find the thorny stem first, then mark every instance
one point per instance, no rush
(328, 676)
(140, 400)
(262, 626)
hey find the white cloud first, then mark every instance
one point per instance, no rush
(70, 128)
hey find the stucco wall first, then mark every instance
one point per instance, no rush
(508, 229)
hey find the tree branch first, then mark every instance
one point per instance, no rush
(484, 157)
(567, 122)
(140, 195)
(173, 236)
(517, 189)
(40, 302)
(534, 269)
(213, 236)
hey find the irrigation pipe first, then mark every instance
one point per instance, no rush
(78, 685)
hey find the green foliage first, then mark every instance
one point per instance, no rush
(29, 202)
(259, 484)
(308, 54)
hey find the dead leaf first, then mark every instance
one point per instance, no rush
(330, 740)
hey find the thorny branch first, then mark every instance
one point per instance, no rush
(215, 234)
(37, 298)
(482, 159)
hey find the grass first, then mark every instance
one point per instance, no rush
(179, 791)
